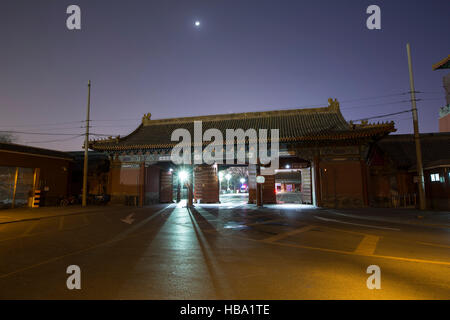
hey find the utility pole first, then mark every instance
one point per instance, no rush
(86, 147)
(421, 181)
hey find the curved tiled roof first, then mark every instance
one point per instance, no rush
(443, 64)
(294, 125)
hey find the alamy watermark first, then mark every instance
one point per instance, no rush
(374, 280)
(251, 146)
(373, 22)
(74, 280)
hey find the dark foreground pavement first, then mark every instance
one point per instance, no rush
(227, 251)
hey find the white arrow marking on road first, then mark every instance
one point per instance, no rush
(356, 224)
(129, 219)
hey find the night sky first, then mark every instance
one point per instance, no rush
(247, 55)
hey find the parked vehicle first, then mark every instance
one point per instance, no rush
(70, 200)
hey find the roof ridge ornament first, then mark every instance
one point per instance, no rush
(147, 117)
(333, 104)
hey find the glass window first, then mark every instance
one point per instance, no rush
(23, 188)
(7, 175)
(434, 177)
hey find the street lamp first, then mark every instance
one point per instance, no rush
(182, 175)
(242, 180)
(220, 180)
(228, 177)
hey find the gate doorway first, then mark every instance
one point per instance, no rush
(293, 184)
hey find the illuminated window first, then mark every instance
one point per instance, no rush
(435, 177)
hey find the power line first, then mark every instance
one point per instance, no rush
(103, 134)
(56, 140)
(42, 124)
(384, 115)
(40, 133)
(112, 120)
(375, 105)
(376, 97)
(429, 92)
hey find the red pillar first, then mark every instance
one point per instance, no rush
(364, 177)
(206, 184)
(141, 184)
(317, 182)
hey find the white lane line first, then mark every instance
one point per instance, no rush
(356, 224)
(265, 222)
(288, 234)
(367, 245)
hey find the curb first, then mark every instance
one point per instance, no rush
(370, 218)
(47, 217)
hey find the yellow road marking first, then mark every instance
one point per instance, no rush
(288, 234)
(349, 253)
(433, 244)
(367, 245)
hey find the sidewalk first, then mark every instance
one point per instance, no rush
(398, 215)
(27, 214)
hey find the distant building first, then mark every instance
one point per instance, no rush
(393, 172)
(444, 112)
(98, 173)
(32, 176)
(444, 118)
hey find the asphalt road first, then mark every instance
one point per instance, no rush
(227, 251)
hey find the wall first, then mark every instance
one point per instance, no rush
(444, 123)
(306, 192)
(438, 192)
(123, 182)
(269, 194)
(341, 184)
(152, 185)
(166, 186)
(206, 184)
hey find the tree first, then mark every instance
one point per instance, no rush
(7, 137)
(236, 174)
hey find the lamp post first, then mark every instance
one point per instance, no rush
(183, 177)
(228, 177)
(421, 181)
(220, 180)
